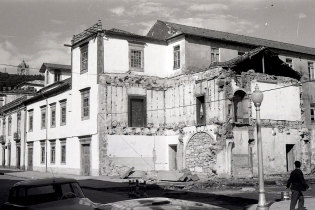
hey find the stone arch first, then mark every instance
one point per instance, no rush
(200, 153)
(240, 106)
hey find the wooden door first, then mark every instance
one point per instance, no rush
(172, 157)
(30, 159)
(3, 156)
(85, 159)
(18, 156)
(137, 111)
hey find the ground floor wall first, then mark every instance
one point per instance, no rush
(143, 152)
(281, 147)
(12, 155)
(73, 155)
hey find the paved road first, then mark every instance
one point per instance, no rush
(230, 198)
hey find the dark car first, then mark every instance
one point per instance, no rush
(49, 193)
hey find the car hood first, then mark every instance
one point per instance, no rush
(157, 203)
(67, 204)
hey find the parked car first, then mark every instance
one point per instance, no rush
(49, 193)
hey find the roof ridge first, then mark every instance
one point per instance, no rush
(234, 34)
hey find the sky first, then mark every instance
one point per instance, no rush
(36, 30)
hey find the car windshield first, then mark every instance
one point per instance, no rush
(47, 193)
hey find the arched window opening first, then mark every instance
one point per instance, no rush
(241, 112)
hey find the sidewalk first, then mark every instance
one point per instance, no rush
(309, 204)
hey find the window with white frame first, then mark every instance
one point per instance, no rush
(136, 57)
(3, 126)
(176, 57)
(63, 112)
(52, 151)
(312, 108)
(18, 118)
(84, 58)
(289, 62)
(30, 120)
(43, 117)
(85, 104)
(53, 115)
(9, 125)
(310, 67)
(214, 54)
(42, 152)
(63, 150)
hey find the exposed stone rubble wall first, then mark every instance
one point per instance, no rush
(171, 110)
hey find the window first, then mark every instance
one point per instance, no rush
(42, 152)
(201, 110)
(312, 108)
(176, 57)
(85, 104)
(9, 125)
(310, 67)
(84, 58)
(3, 126)
(63, 112)
(30, 120)
(63, 150)
(52, 152)
(47, 77)
(289, 62)
(241, 103)
(43, 117)
(136, 57)
(57, 75)
(18, 118)
(53, 115)
(137, 111)
(214, 55)
(1, 101)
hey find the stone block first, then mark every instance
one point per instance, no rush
(169, 175)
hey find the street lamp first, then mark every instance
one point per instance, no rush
(257, 97)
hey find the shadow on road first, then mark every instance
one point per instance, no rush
(153, 190)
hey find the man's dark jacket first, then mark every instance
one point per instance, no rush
(297, 181)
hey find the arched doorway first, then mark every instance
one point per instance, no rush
(200, 154)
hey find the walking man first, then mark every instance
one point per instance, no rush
(297, 184)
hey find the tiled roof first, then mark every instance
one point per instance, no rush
(167, 30)
(54, 66)
(32, 82)
(12, 104)
(51, 90)
(87, 32)
(121, 31)
(253, 60)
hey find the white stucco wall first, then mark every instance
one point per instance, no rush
(158, 59)
(275, 104)
(138, 151)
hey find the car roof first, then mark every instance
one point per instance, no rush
(41, 182)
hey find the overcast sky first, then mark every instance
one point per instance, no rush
(36, 30)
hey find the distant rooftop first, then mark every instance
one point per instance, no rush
(54, 66)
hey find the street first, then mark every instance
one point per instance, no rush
(236, 197)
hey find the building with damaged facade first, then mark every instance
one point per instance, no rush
(177, 98)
